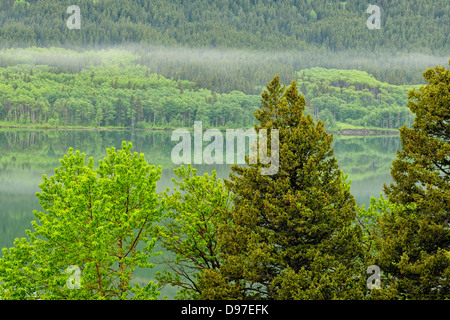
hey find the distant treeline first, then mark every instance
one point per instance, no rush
(116, 90)
(225, 70)
(354, 97)
(124, 95)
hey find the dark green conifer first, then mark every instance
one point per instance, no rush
(290, 235)
(415, 243)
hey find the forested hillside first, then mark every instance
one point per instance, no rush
(258, 24)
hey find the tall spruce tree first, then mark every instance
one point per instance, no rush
(415, 239)
(289, 235)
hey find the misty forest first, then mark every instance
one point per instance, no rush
(94, 206)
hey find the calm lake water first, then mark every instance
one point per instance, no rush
(25, 155)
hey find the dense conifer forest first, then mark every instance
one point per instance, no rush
(258, 24)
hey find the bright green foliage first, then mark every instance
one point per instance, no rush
(290, 235)
(415, 247)
(189, 228)
(312, 16)
(370, 221)
(99, 220)
(120, 94)
(354, 97)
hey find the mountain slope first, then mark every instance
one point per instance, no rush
(413, 25)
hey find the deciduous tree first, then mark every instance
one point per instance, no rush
(189, 228)
(99, 220)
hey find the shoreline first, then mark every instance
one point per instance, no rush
(82, 128)
(365, 132)
(345, 132)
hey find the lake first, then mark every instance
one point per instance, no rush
(27, 154)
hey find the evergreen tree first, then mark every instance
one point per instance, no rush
(289, 235)
(415, 243)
